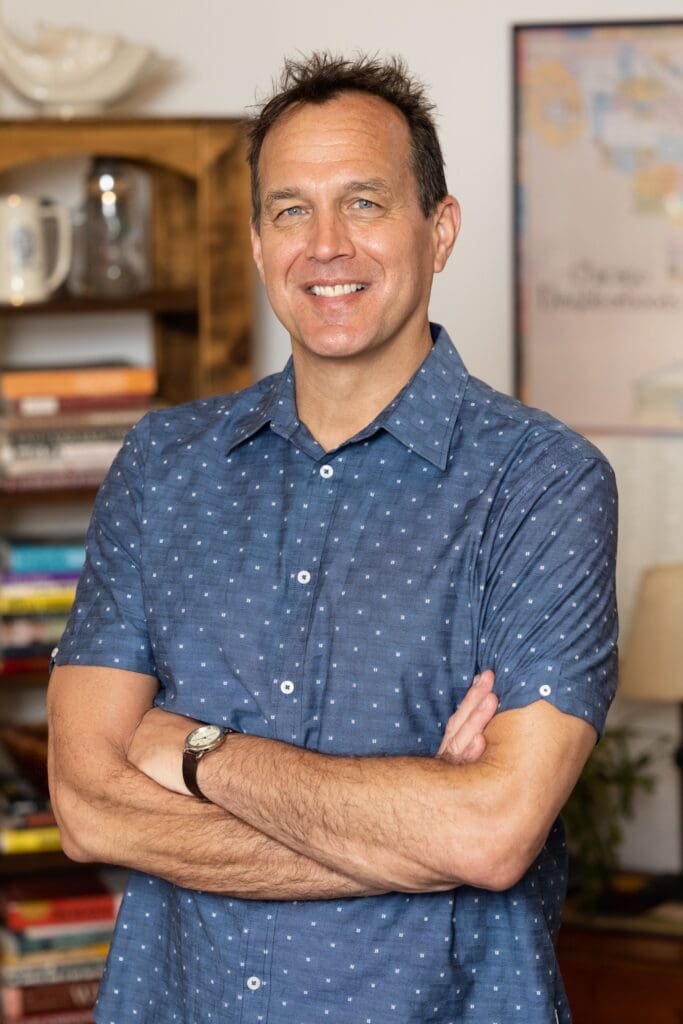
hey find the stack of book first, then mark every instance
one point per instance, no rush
(61, 427)
(27, 824)
(54, 941)
(37, 587)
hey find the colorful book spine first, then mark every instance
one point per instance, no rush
(29, 840)
(49, 974)
(21, 944)
(15, 600)
(56, 405)
(65, 995)
(78, 380)
(97, 906)
(44, 558)
(61, 1017)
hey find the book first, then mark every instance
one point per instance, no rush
(54, 405)
(98, 417)
(96, 380)
(43, 839)
(48, 974)
(75, 995)
(51, 480)
(19, 598)
(60, 1017)
(60, 897)
(57, 956)
(33, 940)
(24, 631)
(42, 558)
(62, 930)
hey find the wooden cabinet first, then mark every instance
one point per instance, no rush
(201, 303)
(617, 977)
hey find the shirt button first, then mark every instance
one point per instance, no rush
(253, 983)
(303, 576)
(287, 686)
(326, 472)
(55, 652)
(545, 690)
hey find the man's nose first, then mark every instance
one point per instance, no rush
(329, 237)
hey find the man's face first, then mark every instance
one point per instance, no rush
(343, 248)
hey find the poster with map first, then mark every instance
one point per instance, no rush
(599, 223)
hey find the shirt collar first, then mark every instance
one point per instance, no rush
(422, 416)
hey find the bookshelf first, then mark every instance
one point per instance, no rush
(199, 306)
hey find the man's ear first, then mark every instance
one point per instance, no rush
(256, 250)
(446, 228)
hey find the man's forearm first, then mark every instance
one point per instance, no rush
(133, 822)
(385, 820)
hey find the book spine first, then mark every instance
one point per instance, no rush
(25, 631)
(23, 943)
(58, 931)
(60, 1017)
(75, 995)
(21, 914)
(55, 405)
(29, 840)
(30, 558)
(61, 481)
(100, 381)
(36, 603)
(88, 970)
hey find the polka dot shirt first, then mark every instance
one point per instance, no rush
(342, 602)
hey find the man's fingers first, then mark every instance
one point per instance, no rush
(458, 745)
(463, 741)
(481, 686)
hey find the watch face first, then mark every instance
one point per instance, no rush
(204, 736)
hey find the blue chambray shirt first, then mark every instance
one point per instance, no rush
(342, 602)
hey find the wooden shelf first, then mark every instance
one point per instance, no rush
(162, 302)
(52, 496)
(21, 863)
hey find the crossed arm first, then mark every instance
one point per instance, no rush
(287, 823)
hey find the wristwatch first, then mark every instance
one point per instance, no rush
(199, 742)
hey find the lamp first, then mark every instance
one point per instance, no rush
(652, 663)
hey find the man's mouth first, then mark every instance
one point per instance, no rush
(330, 291)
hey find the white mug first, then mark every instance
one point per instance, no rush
(24, 275)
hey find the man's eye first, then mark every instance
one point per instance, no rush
(291, 211)
(365, 204)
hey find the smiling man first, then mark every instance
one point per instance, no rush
(264, 703)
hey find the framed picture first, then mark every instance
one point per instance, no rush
(599, 223)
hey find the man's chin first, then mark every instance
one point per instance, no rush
(334, 344)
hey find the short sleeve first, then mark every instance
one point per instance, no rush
(549, 618)
(107, 622)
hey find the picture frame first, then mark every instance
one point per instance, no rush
(598, 232)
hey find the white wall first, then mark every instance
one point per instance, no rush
(226, 54)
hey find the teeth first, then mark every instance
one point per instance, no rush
(329, 291)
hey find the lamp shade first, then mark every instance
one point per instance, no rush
(652, 662)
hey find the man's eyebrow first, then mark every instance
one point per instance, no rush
(369, 185)
(279, 195)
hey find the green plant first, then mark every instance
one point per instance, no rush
(602, 800)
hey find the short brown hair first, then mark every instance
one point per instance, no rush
(322, 77)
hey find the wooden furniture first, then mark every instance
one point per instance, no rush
(202, 299)
(622, 977)
(200, 304)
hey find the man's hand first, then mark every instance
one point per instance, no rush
(157, 748)
(463, 740)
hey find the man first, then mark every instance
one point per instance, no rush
(323, 563)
